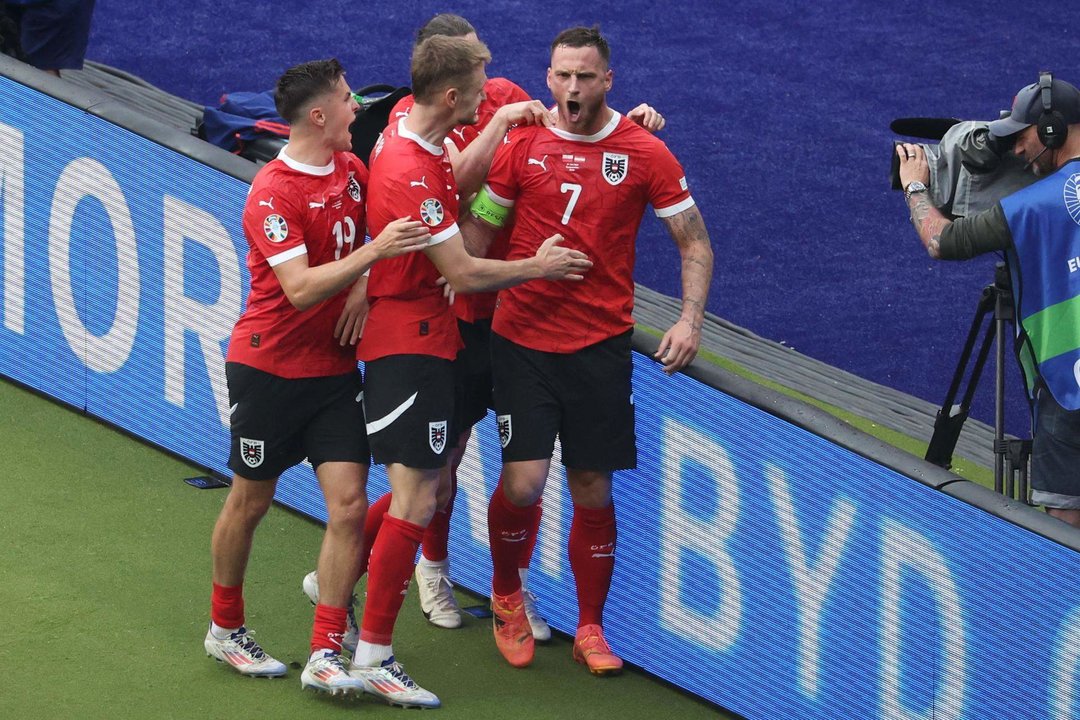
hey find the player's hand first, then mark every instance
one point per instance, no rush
(647, 117)
(530, 112)
(679, 346)
(447, 291)
(401, 236)
(913, 165)
(350, 326)
(559, 263)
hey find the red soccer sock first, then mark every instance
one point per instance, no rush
(389, 572)
(592, 558)
(508, 532)
(437, 535)
(372, 523)
(227, 606)
(329, 628)
(534, 531)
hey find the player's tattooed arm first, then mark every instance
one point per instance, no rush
(928, 222)
(680, 343)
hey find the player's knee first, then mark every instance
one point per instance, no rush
(347, 511)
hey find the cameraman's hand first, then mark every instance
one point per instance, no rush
(913, 165)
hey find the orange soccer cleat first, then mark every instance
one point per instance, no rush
(513, 635)
(592, 650)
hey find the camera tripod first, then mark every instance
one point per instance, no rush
(1010, 456)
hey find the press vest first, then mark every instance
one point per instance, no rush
(1044, 261)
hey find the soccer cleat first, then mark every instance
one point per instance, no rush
(244, 654)
(592, 650)
(541, 632)
(390, 682)
(352, 630)
(325, 672)
(437, 599)
(513, 635)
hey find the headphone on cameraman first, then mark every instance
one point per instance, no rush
(1051, 124)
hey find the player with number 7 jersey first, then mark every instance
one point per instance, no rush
(593, 190)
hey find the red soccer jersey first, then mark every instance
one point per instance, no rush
(593, 190)
(292, 210)
(409, 315)
(498, 91)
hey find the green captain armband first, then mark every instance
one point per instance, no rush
(488, 210)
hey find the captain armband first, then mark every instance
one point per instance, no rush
(486, 209)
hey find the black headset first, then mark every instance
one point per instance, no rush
(1051, 124)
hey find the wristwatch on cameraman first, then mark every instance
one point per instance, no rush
(914, 187)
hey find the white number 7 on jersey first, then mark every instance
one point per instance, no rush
(575, 193)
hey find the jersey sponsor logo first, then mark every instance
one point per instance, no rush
(268, 203)
(431, 211)
(422, 182)
(1072, 197)
(353, 188)
(615, 167)
(379, 143)
(506, 429)
(540, 162)
(252, 452)
(460, 132)
(437, 436)
(276, 228)
(316, 204)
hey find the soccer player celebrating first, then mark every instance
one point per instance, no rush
(293, 389)
(411, 338)
(560, 352)
(475, 144)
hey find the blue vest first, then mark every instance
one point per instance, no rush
(1044, 261)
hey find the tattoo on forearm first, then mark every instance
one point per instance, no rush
(688, 231)
(929, 222)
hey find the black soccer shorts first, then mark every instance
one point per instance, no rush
(276, 422)
(584, 397)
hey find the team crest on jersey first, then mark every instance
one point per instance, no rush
(431, 211)
(353, 188)
(252, 452)
(379, 144)
(615, 167)
(276, 228)
(1072, 197)
(506, 429)
(437, 436)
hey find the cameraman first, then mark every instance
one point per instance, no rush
(1038, 228)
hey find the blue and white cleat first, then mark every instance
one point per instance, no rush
(242, 653)
(326, 673)
(390, 682)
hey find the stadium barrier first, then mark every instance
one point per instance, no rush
(772, 560)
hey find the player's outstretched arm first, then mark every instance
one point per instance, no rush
(680, 344)
(306, 286)
(467, 274)
(472, 164)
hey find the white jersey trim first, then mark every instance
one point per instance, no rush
(275, 260)
(597, 137)
(674, 209)
(444, 235)
(497, 198)
(304, 168)
(410, 135)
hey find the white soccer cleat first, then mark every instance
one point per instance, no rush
(352, 630)
(241, 652)
(390, 682)
(541, 631)
(437, 599)
(325, 672)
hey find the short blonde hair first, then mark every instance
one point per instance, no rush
(442, 62)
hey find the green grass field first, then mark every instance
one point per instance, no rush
(104, 601)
